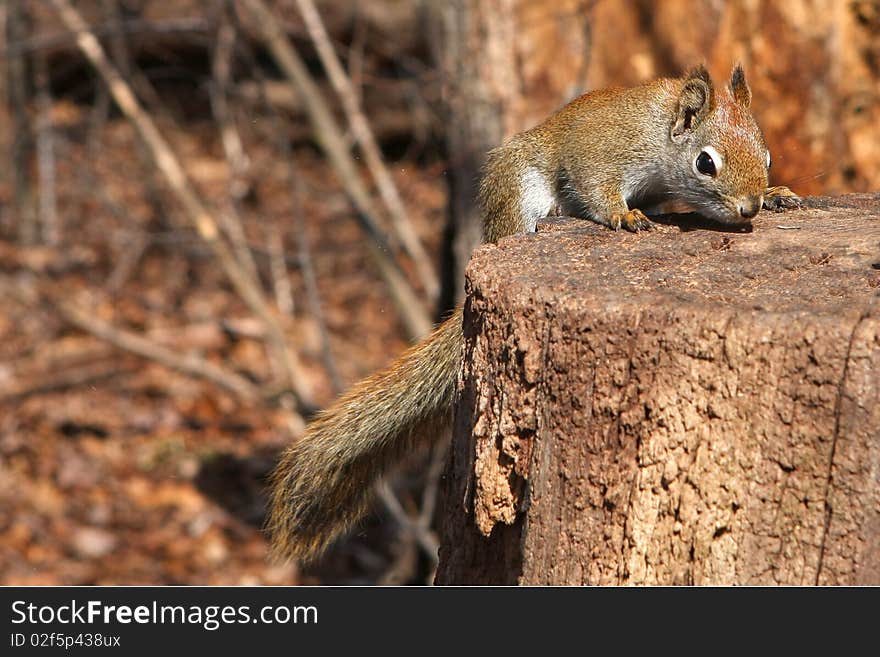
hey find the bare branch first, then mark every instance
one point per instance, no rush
(48, 207)
(57, 43)
(186, 363)
(313, 296)
(26, 219)
(55, 380)
(330, 136)
(372, 155)
(432, 483)
(423, 535)
(230, 218)
(221, 67)
(278, 267)
(179, 183)
(122, 55)
(132, 252)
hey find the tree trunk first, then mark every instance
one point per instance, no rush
(25, 218)
(678, 407)
(506, 64)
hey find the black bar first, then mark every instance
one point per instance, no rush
(300, 620)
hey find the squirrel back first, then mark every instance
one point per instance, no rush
(605, 156)
(613, 154)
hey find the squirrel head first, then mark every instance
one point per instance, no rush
(724, 161)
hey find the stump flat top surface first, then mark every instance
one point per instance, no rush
(680, 406)
(823, 258)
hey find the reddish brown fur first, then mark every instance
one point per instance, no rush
(590, 157)
(323, 483)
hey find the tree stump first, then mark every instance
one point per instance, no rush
(686, 406)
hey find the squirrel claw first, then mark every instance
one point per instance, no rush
(781, 198)
(631, 220)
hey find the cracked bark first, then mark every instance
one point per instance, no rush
(834, 439)
(671, 408)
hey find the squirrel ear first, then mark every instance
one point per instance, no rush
(695, 100)
(738, 87)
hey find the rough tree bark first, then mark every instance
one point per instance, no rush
(680, 407)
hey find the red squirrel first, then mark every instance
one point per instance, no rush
(610, 156)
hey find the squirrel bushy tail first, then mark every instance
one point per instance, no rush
(323, 482)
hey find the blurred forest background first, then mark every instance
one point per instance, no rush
(217, 214)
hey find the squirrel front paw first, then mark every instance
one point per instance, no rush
(781, 198)
(632, 220)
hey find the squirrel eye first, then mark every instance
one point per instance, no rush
(705, 164)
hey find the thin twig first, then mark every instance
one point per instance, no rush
(239, 174)
(372, 155)
(355, 57)
(313, 296)
(48, 206)
(404, 566)
(432, 483)
(121, 56)
(53, 42)
(128, 341)
(221, 68)
(139, 345)
(132, 252)
(423, 536)
(230, 220)
(54, 380)
(304, 258)
(95, 124)
(329, 135)
(303, 255)
(25, 220)
(179, 183)
(278, 267)
(230, 217)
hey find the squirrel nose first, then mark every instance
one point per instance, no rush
(750, 207)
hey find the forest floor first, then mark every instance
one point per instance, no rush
(117, 470)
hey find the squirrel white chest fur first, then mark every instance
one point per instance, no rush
(537, 197)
